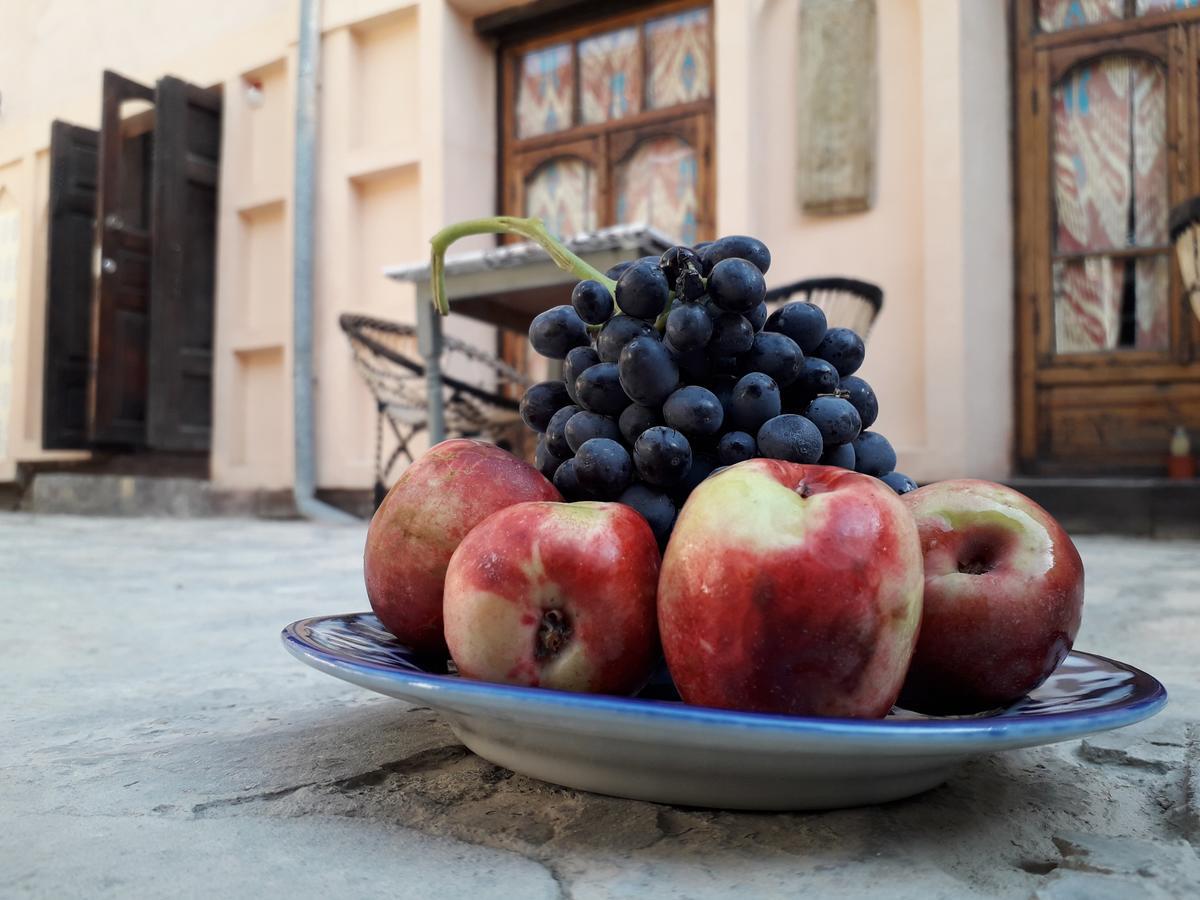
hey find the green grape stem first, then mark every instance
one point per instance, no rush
(532, 229)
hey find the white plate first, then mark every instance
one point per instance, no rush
(669, 752)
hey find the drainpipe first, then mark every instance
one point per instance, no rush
(304, 489)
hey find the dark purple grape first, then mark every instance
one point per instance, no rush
(773, 354)
(567, 481)
(544, 460)
(592, 302)
(790, 437)
(690, 287)
(863, 398)
(603, 468)
(873, 454)
(541, 401)
(732, 334)
(836, 419)
(677, 260)
(841, 455)
(843, 348)
(736, 285)
(803, 322)
(694, 411)
(703, 465)
(899, 482)
(556, 432)
(816, 377)
(578, 361)
(616, 333)
(585, 425)
(642, 291)
(647, 371)
(618, 269)
(554, 332)
(662, 456)
(755, 399)
(736, 446)
(735, 245)
(689, 327)
(653, 506)
(635, 419)
(757, 317)
(599, 390)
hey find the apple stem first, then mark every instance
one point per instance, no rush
(532, 228)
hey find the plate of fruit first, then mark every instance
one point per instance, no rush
(712, 588)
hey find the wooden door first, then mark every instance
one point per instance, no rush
(187, 144)
(71, 214)
(121, 296)
(1106, 144)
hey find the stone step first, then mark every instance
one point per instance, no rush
(1149, 507)
(95, 494)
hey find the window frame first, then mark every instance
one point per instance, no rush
(608, 143)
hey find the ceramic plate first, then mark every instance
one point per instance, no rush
(669, 752)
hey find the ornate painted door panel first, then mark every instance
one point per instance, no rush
(1108, 361)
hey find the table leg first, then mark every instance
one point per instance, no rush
(429, 343)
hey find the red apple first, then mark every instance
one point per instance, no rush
(1003, 597)
(791, 588)
(556, 595)
(453, 487)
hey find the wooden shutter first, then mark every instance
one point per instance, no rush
(120, 305)
(72, 216)
(187, 142)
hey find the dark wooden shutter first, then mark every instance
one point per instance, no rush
(120, 306)
(72, 217)
(187, 146)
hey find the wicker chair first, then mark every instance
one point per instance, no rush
(397, 381)
(846, 303)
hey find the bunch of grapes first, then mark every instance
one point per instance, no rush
(685, 373)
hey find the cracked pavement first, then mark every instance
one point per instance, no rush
(158, 741)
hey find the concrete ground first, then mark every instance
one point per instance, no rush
(158, 741)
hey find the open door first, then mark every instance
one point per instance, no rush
(121, 296)
(72, 215)
(187, 145)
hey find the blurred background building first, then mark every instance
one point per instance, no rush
(1003, 170)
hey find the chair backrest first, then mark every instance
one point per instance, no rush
(846, 302)
(381, 351)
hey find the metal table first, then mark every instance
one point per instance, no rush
(507, 286)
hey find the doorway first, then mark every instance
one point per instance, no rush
(131, 286)
(1107, 142)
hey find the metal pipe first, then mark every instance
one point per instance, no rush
(304, 487)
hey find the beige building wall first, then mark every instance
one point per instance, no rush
(407, 144)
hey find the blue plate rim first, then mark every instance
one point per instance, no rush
(962, 730)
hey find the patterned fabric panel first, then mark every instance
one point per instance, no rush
(1110, 189)
(562, 193)
(1087, 304)
(657, 186)
(1056, 15)
(678, 51)
(1154, 6)
(610, 76)
(545, 91)
(1088, 297)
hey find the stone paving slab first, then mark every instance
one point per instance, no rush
(159, 742)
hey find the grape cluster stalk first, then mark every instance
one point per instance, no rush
(673, 368)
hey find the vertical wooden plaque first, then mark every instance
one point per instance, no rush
(838, 97)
